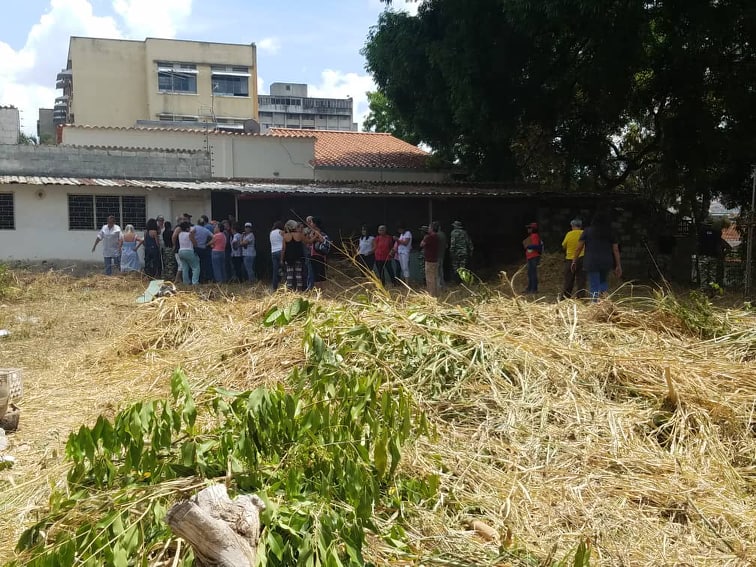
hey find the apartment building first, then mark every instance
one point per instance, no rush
(113, 82)
(288, 106)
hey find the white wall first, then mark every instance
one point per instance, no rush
(42, 222)
(240, 156)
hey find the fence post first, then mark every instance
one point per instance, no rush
(751, 222)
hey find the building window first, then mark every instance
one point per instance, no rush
(7, 212)
(177, 118)
(230, 80)
(224, 85)
(178, 78)
(90, 212)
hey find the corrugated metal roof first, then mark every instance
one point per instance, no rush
(266, 187)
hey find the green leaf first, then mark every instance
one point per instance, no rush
(275, 544)
(189, 413)
(272, 316)
(380, 454)
(120, 556)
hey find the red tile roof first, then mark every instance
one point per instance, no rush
(731, 235)
(359, 149)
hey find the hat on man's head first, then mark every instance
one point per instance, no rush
(187, 215)
(532, 225)
(160, 217)
(247, 224)
(457, 224)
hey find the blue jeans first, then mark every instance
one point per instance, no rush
(533, 274)
(189, 261)
(206, 263)
(249, 267)
(276, 260)
(219, 266)
(597, 284)
(110, 261)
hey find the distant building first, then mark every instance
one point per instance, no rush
(113, 82)
(46, 126)
(288, 106)
(10, 125)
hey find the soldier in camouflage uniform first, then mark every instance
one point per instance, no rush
(461, 247)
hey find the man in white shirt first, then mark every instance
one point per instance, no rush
(403, 251)
(110, 234)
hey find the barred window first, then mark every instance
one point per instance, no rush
(7, 212)
(134, 211)
(90, 212)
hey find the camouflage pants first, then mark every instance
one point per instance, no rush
(458, 261)
(709, 271)
(169, 264)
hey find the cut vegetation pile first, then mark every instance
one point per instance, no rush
(393, 429)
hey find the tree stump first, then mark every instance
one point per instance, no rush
(222, 532)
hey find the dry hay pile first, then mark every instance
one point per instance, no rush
(555, 424)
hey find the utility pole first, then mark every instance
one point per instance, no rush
(751, 222)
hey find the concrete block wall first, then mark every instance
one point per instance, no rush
(71, 161)
(633, 224)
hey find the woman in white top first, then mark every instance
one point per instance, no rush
(187, 255)
(276, 245)
(403, 251)
(366, 249)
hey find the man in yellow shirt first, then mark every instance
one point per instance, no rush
(569, 245)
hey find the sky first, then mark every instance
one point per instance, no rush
(317, 42)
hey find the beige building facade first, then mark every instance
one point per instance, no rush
(246, 156)
(110, 82)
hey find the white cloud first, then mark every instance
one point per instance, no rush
(27, 75)
(153, 18)
(409, 6)
(260, 84)
(270, 45)
(335, 84)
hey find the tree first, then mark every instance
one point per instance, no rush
(27, 140)
(594, 94)
(384, 118)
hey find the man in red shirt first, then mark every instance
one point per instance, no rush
(383, 245)
(533, 247)
(430, 245)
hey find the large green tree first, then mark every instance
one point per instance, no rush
(638, 94)
(382, 117)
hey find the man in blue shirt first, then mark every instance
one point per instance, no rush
(203, 236)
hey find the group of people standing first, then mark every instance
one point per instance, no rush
(589, 254)
(217, 251)
(389, 255)
(299, 252)
(225, 251)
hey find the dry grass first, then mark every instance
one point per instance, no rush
(562, 421)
